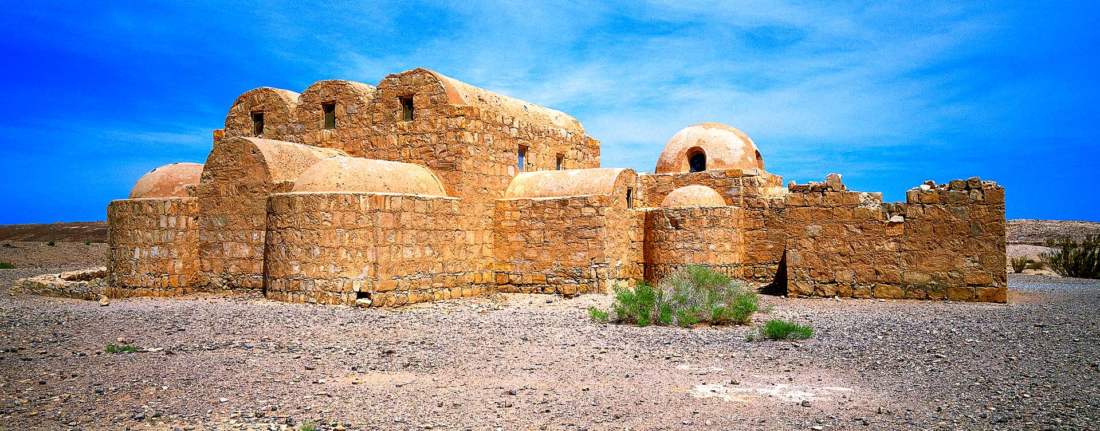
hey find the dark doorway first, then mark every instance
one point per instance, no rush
(697, 161)
(330, 115)
(258, 123)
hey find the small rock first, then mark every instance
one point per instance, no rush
(805, 403)
(104, 301)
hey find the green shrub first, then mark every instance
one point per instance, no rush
(120, 348)
(598, 315)
(6, 265)
(688, 297)
(51, 243)
(308, 426)
(1019, 264)
(87, 242)
(1074, 259)
(778, 329)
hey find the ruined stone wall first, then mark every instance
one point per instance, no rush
(238, 177)
(395, 249)
(153, 246)
(954, 240)
(566, 245)
(707, 236)
(944, 243)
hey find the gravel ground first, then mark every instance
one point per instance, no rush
(531, 361)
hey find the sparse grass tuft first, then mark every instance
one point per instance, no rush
(778, 329)
(308, 426)
(120, 348)
(87, 242)
(598, 315)
(1019, 264)
(6, 265)
(686, 298)
(1075, 259)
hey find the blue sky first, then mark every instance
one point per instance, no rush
(888, 94)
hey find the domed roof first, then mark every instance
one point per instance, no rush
(693, 196)
(168, 181)
(721, 147)
(359, 175)
(569, 182)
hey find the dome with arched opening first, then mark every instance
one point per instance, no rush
(168, 181)
(693, 196)
(709, 146)
(358, 175)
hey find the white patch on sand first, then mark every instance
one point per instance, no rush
(782, 391)
(705, 370)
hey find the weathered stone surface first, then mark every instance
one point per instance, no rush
(946, 242)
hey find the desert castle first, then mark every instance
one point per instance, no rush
(426, 188)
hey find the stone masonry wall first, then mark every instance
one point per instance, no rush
(707, 236)
(153, 246)
(566, 245)
(759, 195)
(238, 177)
(394, 249)
(945, 243)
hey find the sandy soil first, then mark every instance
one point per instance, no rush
(536, 362)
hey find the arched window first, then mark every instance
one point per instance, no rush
(697, 160)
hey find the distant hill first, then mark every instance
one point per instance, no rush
(95, 231)
(1036, 232)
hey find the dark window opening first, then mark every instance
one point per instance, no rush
(521, 158)
(258, 123)
(697, 161)
(759, 160)
(363, 297)
(330, 114)
(630, 197)
(407, 108)
(561, 161)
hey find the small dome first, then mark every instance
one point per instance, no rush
(693, 196)
(168, 181)
(709, 146)
(358, 175)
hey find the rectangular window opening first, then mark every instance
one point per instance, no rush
(630, 197)
(560, 161)
(258, 123)
(407, 108)
(521, 158)
(330, 114)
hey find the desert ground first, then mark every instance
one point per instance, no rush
(537, 362)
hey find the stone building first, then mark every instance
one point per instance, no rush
(426, 188)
